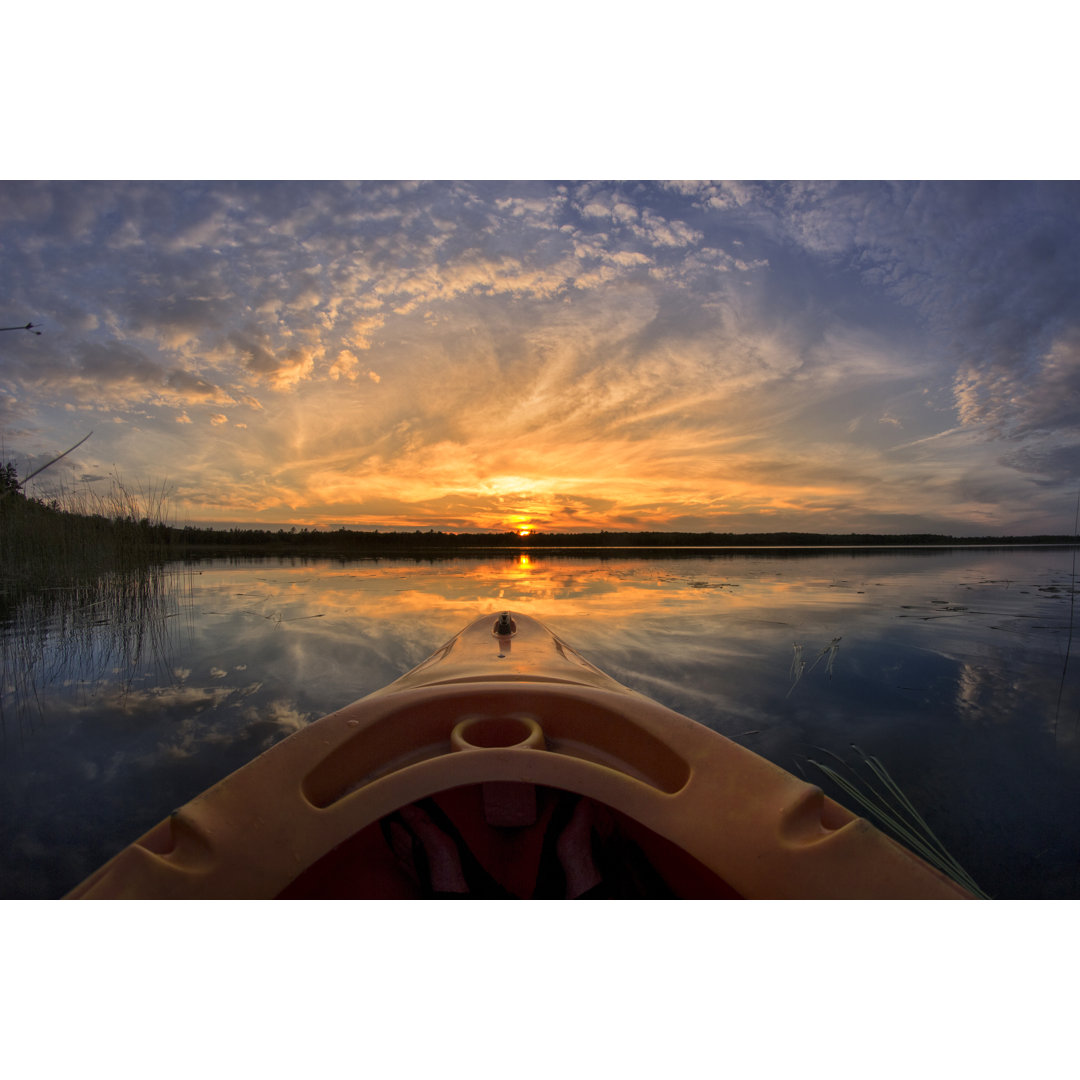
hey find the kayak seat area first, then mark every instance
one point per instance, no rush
(507, 841)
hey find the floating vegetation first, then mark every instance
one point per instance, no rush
(892, 808)
(798, 664)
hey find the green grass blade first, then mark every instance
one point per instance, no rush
(895, 811)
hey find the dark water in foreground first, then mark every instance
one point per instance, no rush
(119, 705)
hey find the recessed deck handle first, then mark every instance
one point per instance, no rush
(497, 732)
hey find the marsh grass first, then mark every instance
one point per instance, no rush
(101, 633)
(74, 536)
(881, 797)
(84, 590)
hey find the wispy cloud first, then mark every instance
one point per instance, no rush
(691, 354)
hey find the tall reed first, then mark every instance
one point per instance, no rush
(109, 628)
(76, 536)
(888, 804)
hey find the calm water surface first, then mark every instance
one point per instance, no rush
(120, 704)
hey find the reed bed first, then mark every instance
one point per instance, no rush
(107, 630)
(73, 537)
(84, 590)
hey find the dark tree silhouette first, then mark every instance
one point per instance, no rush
(9, 480)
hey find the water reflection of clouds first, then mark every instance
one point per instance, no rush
(159, 702)
(950, 699)
(731, 623)
(262, 722)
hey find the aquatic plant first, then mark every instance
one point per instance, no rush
(105, 630)
(798, 664)
(75, 536)
(894, 810)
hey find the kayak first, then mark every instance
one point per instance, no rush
(506, 766)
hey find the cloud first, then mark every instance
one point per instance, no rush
(190, 388)
(280, 367)
(178, 320)
(1049, 402)
(662, 233)
(110, 375)
(344, 367)
(362, 329)
(694, 350)
(993, 268)
(630, 258)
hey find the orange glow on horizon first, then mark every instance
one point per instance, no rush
(529, 357)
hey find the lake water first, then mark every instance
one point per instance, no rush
(120, 703)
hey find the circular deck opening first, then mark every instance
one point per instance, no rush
(497, 732)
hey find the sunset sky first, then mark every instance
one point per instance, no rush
(552, 355)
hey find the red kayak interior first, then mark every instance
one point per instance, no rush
(507, 840)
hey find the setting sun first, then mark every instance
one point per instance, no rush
(532, 357)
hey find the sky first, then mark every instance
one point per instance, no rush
(553, 355)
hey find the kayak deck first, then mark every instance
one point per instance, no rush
(503, 766)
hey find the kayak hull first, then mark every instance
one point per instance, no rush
(507, 765)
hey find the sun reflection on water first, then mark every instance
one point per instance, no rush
(945, 672)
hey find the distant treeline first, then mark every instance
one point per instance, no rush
(42, 542)
(345, 541)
